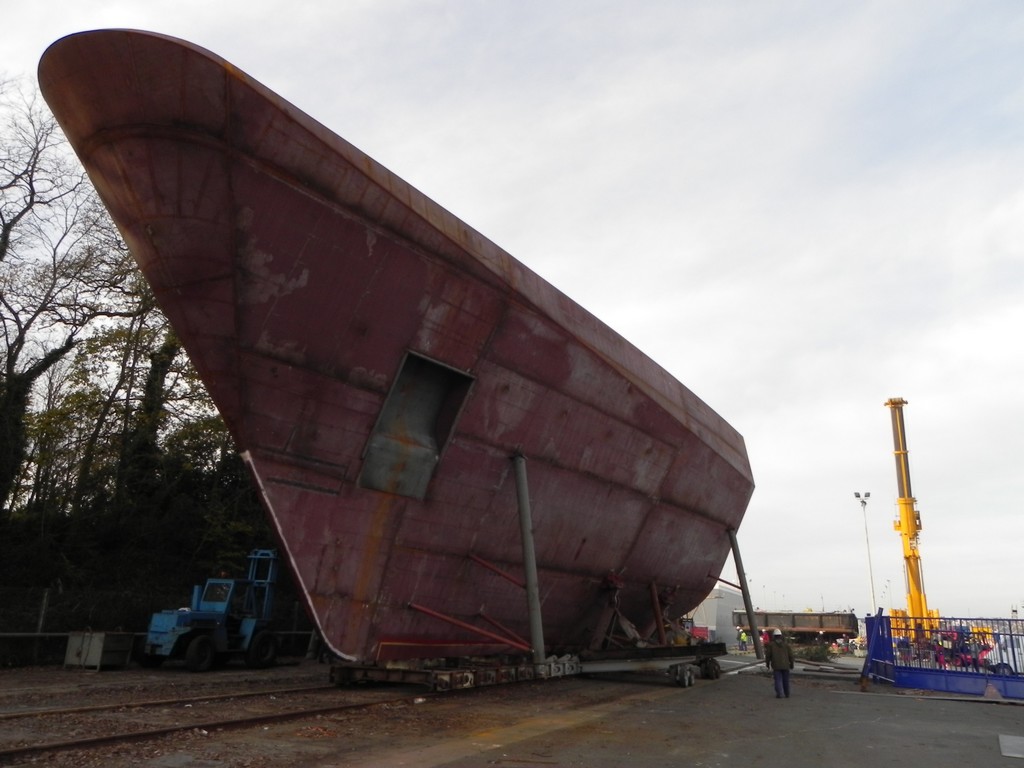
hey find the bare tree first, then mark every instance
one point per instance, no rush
(59, 270)
(108, 440)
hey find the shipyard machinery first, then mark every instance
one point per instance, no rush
(908, 521)
(228, 618)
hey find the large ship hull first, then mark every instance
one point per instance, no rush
(379, 363)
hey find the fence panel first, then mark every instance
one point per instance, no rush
(977, 656)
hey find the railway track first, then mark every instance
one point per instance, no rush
(34, 732)
(142, 703)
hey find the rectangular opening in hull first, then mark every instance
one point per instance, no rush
(415, 424)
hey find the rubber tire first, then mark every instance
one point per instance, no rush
(200, 654)
(262, 652)
(710, 669)
(683, 675)
(678, 676)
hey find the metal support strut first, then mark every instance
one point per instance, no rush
(529, 560)
(754, 631)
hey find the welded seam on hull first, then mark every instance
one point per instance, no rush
(303, 486)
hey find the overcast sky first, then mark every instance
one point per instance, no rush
(800, 209)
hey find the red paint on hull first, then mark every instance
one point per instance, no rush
(378, 362)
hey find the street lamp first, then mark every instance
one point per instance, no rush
(871, 576)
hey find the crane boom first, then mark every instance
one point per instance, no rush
(908, 522)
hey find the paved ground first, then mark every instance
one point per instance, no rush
(620, 721)
(639, 721)
(735, 721)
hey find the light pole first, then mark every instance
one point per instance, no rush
(871, 576)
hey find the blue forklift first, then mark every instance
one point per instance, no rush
(228, 618)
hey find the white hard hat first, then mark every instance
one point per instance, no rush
(777, 633)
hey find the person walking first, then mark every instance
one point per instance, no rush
(778, 657)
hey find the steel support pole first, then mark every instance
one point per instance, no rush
(659, 618)
(745, 590)
(529, 560)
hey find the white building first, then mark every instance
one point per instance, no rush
(715, 613)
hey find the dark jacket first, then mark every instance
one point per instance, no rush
(778, 655)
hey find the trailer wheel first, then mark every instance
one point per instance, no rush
(683, 675)
(262, 651)
(199, 656)
(678, 677)
(710, 669)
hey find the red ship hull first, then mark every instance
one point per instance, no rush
(378, 362)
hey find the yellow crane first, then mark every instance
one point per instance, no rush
(908, 521)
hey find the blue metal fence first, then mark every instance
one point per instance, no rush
(954, 655)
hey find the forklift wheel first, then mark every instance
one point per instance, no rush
(262, 651)
(199, 656)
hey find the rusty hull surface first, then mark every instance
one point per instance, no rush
(378, 362)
